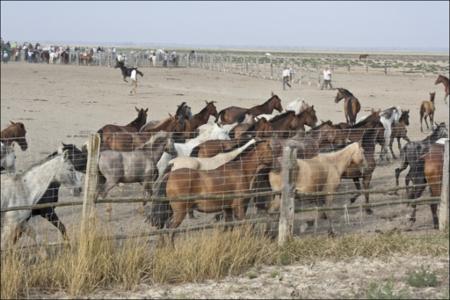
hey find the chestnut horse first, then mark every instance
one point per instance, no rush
(235, 176)
(261, 128)
(351, 105)
(15, 132)
(286, 124)
(427, 109)
(201, 118)
(234, 114)
(445, 81)
(119, 138)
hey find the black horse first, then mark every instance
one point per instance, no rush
(79, 160)
(126, 72)
(411, 153)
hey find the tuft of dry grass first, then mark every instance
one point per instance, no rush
(95, 262)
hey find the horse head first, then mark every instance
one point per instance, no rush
(18, 134)
(404, 117)
(432, 95)
(212, 110)
(440, 79)
(310, 116)
(75, 155)
(276, 103)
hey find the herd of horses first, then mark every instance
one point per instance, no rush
(236, 151)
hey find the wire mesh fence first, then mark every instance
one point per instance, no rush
(249, 182)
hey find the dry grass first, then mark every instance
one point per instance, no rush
(99, 263)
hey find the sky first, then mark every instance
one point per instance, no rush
(320, 25)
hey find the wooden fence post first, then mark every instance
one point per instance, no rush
(443, 207)
(90, 183)
(287, 208)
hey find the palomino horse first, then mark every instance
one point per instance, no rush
(427, 109)
(234, 114)
(27, 188)
(322, 173)
(135, 166)
(287, 123)
(351, 105)
(15, 132)
(115, 137)
(233, 177)
(79, 161)
(445, 81)
(201, 118)
(399, 131)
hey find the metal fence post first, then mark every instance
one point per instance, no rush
(90, 183)
(287, 208)
(443, 207)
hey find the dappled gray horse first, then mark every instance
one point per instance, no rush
(27, 188)
(138, 166)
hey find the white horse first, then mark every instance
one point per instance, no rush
(8, 158)
(27, 188)
(207, 163)
(297, 105)
(53, 56)
(388, 118)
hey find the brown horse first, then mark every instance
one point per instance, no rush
(351, 105)
(86, 58)
(399, 131)
(433, 163)
(235, 176)
(445, 81)
(234, 114)
(286, 124)
(261, 128)
(427, 109)
(201, 118)
(363, 56)
(15, 132)
(119, 138)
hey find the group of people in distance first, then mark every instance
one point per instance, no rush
(288, 73)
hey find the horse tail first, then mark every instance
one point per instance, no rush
(195, 151)
(161, 209)
(220, 116)
(350, 114)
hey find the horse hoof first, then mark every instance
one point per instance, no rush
(352, 200)
(369, 211)
(331, 234)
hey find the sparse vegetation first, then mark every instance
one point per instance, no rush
(385, 290)
(96, 262)
(423, 277)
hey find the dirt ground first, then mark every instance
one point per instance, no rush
(59, 103)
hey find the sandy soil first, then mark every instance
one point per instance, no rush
(348, 279)
(59, 103)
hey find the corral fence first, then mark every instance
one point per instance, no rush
(306, 67)
(288, 211)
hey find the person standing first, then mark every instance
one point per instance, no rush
(286, 74)
(326, 79)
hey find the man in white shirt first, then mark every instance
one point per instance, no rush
(326, 79)
(286, 77)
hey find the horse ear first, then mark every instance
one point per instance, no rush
(272, 94)
(206, 102)
(170, 115)
(136, 109)
(146, 110)
(12, 123)
(66, 154)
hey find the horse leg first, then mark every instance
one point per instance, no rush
(177, 218)
(358, 187)
(366, 184)
(399, 170)
(52, 217)
(412, 217)
(433, 208)
(425, 119)
(421, 118)
(391, 141)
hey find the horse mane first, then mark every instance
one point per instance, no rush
(180, 108)
(323, 124)
(281, 116)
(247, 151)
(346, 92)
(41, 162)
